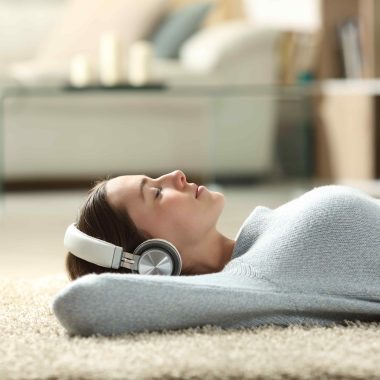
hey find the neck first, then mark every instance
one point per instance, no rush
(210, 255)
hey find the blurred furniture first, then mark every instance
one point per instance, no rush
(50, 133)
(218, 133)
(227, 49)
(295, 131)
(53, 133)
(347, 133)
(366, 13)
(347, 138)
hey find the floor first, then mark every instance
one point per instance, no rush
(32, 224)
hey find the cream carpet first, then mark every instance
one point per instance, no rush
(34, 346)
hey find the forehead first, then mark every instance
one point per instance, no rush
(119, 188)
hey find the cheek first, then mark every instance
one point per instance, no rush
(187, 215)
(142, 217)
(177, 213)
(142, 221)
(177, 210)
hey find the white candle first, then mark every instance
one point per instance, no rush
(140, 63)
(110, 59)
(81, 73)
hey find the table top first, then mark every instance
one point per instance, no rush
(162, 89)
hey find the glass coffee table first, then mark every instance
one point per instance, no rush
(218, 133)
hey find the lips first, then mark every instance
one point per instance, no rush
(196, 191)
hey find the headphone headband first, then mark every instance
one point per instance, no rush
(92, 249)
(154, 256)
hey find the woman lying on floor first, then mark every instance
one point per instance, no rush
(313, 260)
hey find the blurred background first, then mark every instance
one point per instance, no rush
(260, 99)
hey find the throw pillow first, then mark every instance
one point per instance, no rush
(178, 26)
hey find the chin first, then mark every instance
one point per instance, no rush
(221, 195)
(220, 199)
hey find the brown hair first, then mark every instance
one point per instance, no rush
(97, 219)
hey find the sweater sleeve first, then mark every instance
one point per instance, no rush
(110, 304)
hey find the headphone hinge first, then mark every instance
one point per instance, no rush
(128, 261)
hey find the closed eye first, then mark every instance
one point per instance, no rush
(158, 192)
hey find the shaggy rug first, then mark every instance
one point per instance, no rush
(34, 346)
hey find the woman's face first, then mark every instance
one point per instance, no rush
(167, 207)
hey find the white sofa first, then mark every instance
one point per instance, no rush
(87, 135)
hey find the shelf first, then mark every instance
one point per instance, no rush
(370, 87)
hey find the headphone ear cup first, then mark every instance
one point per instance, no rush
(158, 256)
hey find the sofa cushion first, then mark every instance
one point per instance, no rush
(178, 26)
(217, 45)
(84, 21)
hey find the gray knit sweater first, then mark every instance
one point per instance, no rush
(313, 260)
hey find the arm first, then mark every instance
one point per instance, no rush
(111, 304)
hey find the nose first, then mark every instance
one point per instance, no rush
(177, 177)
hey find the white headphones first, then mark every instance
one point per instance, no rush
(153, 256)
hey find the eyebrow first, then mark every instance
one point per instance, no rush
(142, 184)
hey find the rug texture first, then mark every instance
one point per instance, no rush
(34, 346)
